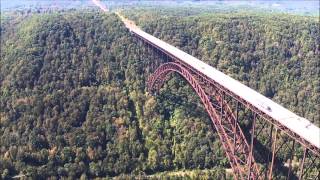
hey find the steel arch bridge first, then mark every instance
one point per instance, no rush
(275, 143)
(238, 148)
(230, 133)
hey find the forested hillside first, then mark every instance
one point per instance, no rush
(276, 54)
(73, 100)
(73, 103)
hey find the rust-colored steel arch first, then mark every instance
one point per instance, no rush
(242, 169)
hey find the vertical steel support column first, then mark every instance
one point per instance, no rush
(302, 163)
(146, 44)
(290, 160)
(138, 49)
(251, 144)
(221, 110)
(167, 58)
(268, 158)
(235, 127)
(160, 54)
(273, 153)
(152, 55)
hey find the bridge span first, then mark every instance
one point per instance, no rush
(298, 125)
(215, 90)
(223, 97)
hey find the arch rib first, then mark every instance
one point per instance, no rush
(239, 168)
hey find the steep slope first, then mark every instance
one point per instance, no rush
(73, 103)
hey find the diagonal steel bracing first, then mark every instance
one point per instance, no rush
(235, 145)
(243, 157)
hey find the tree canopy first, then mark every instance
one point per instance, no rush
(73, 100)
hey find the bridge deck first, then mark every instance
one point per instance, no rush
(299, 125)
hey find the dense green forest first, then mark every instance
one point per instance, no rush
(73, 100)
(73, 103)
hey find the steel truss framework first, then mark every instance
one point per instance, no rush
(259, 153)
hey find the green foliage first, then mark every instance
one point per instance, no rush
(73, 101)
